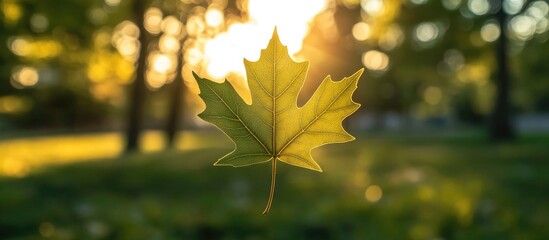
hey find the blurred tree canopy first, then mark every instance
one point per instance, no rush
(69, 64)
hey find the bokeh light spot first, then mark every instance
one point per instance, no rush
(26, 76)
(478, 7)
(426, 32)
(153, 19)
(373, 193)
(375, 60)
(214, 17)
(372, 7)
(490, 32)
(361, 31)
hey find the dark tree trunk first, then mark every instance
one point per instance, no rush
(500, 123)
(137, 96)
(176, 107)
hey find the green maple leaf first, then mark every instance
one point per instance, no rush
(273, 128)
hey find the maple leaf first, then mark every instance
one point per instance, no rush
(273, 128)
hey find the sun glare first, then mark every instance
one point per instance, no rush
(223, 53)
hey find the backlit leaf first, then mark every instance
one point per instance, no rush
(273, 128)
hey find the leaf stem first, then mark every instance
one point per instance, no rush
(271, 194)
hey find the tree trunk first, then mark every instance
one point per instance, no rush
(500, 123)
(176, 107)
(137, 96)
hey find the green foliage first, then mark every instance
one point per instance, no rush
(273, 127)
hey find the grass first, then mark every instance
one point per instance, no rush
(432, 187)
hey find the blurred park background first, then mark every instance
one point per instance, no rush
(99, 137)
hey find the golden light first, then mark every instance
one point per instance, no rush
(124, 39)
(172, 26)
(12, 11)
(105, 66)
(34, 48)
(161, 69)
(161, 63)
(291, 17)
(361, 31)
(11, 167)
(214, 17)
(26, 76)
(372, 7)
(101, 39)
(375, 60)
(20, 46)
(153, 19)
(193, 56)
(156, 79)
(168, 44)
(477, 73)
(221, 66)
(17, 160)
(195, 25)
(127, 46)
(128, 28)
(373, 193)
(223, 53)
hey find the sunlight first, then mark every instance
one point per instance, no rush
(124, 39)
(513, 7)
(523, 27)
(426, 32)
(478, 7)
(17, 161)
(34, 48)
(161, 63)
(490, 32)
(171, 26)
(373, 193)
(361, 31)
(222, 54)
(214, 17)
(153, 18)
(375, 60)
(12, 11)
(168, 43)
(372, 7)
(25, 77)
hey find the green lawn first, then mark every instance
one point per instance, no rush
(433, 187)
